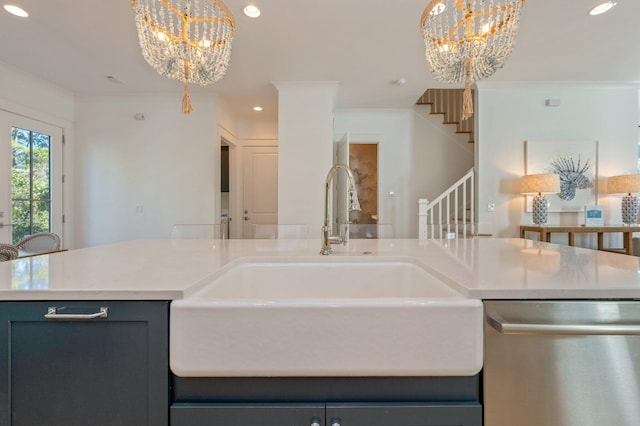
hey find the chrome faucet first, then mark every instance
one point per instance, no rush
(354, 205)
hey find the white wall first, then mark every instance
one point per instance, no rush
(418, 157)
(31, 93)
(510, 114)
(305, 144)
(137, 178)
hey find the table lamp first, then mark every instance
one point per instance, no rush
(539, 184)
(626, 184)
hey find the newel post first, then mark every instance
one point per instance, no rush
(422, 218)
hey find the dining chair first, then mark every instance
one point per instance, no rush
(40, 242)
(8, 252)
(369, 230)
(280, 231)
(198, 231)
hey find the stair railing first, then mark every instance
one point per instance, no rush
(451, 214)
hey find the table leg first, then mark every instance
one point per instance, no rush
(600, 240)
(628, 242)
(547, 238)
(571, 239)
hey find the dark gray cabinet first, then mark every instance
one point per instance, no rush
(327, 401)
(247, 414)
(74, 370)
(347, 414)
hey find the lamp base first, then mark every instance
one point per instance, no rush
(630, 205)
(540, 210)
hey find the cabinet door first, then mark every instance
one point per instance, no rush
(205, 414)
(101, 371)
(401, 414)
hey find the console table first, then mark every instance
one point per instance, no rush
(546, 231)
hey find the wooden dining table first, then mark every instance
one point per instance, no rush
(626, 230)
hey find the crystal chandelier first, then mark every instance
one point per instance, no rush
(188, 40)
(468, 40)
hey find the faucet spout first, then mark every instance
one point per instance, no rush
(354, 205)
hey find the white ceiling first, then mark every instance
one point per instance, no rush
(365, 45)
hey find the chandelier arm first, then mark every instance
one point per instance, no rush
(425, 13)
(468, 23)
(225, 10)
(467, 99)
(492, 11)
(174, 9)
(455, 29)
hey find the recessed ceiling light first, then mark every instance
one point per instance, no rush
(257, 108)
(251, 10)
(15, 10)
(602, 8)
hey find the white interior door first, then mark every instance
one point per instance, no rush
(260, 187)
(30, 197)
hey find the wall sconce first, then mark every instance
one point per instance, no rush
(626, 184)
(539, 184)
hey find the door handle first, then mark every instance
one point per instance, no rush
(505, 327)
(247, 218)
(52, 313)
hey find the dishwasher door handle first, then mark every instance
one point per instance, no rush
(505, 327)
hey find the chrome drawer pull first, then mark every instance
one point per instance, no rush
(52, 313)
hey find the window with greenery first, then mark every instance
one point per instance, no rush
(30, 182)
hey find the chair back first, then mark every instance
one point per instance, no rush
(8, 252)
(198, 231)
(280, 231)
(39, 243)
(369, 230)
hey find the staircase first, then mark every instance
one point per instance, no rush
(452, 214)
(448, 102)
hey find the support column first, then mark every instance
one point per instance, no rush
(305, 150)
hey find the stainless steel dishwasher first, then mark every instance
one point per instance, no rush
(562, 363)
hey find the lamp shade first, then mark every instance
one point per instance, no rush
(624, 184)
(544, 183)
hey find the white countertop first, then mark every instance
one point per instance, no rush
(482, 268)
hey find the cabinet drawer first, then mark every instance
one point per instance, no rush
(405, 414)
(205, 414)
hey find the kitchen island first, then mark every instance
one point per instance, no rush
(137, 280)
(480, 268)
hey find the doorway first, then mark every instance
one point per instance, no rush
(260, 187)
(363, 161)
(225, 202)
(31, 169)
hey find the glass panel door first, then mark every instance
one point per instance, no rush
(30, 183)
(31, 166)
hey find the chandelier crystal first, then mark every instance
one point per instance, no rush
(187, 40)
(468, 40)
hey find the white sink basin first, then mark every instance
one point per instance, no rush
(325, 317)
